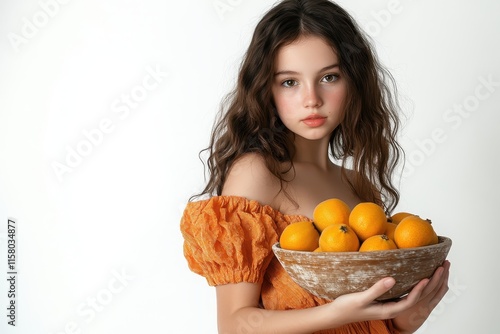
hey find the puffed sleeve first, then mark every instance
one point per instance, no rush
(228, 239)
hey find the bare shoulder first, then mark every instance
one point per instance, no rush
(249, 177)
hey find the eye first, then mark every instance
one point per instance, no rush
(289, 83)
(330, 78)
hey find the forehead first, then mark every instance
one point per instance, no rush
(306, 53)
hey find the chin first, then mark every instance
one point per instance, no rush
(314, 137)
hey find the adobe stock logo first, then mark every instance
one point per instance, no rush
(40, 19)
(456, 289)
(224, 6)
(90, 309)
(453, 118)
(122, 107)
(383, 17)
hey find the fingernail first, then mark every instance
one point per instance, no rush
(389, 282)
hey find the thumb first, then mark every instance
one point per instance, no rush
(378, 289)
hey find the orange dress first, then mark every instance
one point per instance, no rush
(228, 239)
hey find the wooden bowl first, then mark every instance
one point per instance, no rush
(332, 274)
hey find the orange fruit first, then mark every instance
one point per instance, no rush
(338, 238)
(389, 230)
(398, 217)
(331, 211)
(414, 231)
(301, 236)
(317, 250)
(367, 219)
(377, 243)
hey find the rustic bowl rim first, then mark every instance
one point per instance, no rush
(443, 241)
(353, 259)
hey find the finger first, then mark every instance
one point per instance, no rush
(389, 309)
(447, 265)
(443, 288)
(441, 276)
(435, 283)
(416, 292)
(377, 289)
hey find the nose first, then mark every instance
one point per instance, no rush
(312, 98)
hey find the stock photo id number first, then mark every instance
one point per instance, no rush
(11, 271)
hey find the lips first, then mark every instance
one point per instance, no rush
(314, 120)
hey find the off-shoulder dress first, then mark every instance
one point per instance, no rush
(228, 239)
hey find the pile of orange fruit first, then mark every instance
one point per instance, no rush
(337, 228)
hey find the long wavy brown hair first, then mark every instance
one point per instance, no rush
(365, 141)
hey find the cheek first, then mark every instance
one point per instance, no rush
(284, 108)
(282, 103)
(337, 99)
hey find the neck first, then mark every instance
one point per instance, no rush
(314, 152)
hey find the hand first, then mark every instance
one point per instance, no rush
(408, 313)
(411, 319)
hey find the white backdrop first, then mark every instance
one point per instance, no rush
(104, 106)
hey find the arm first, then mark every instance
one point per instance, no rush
(238, 310)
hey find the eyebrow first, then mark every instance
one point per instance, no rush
(295, 73)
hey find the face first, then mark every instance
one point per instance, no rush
(308, 88)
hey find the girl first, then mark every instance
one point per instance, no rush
(309, 92)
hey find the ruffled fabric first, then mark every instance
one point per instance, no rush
(228, 239)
